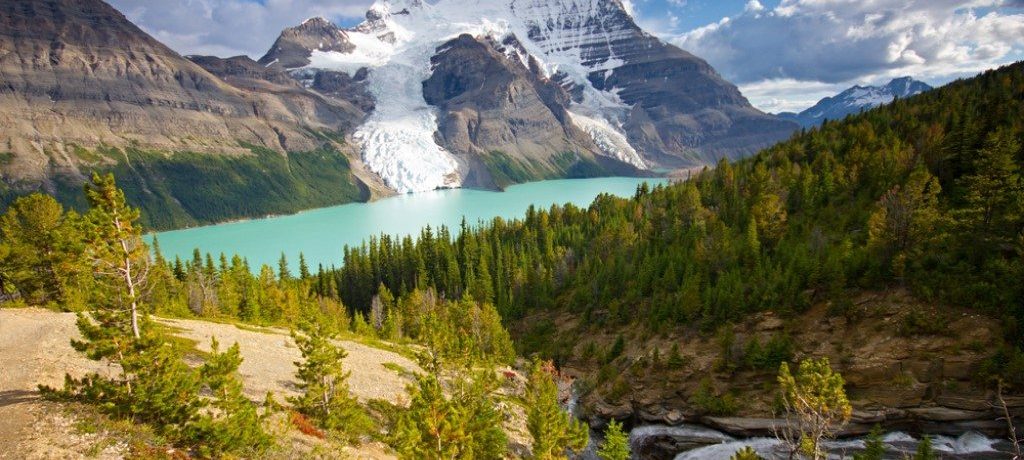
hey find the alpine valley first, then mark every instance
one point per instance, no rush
(841, 283)
(419, 96)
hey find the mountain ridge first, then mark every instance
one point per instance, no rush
(641, 101)
(856, 99)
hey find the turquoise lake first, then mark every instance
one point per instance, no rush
(321, 234)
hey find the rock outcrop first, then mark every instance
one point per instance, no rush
(492, 103)
(918, 382)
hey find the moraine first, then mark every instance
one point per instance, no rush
(322, 233)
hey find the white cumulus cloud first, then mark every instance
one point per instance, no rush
(776, 54)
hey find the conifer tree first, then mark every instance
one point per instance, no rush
(116, 251)
(554, 431)
(303, 267)
(283, 273)
(874, 448)
(466, 424)
(42, 250)
(925, 451)
(815, 403)
(994, 192)
(746, 453)
(324, 383)
(616, 443)
(235, 423)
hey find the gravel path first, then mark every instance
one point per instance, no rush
(35, 349)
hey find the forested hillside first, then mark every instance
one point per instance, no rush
(924, 194)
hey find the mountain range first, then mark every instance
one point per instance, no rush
(418, 96)
(855, 100)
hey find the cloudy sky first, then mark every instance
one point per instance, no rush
(783, 54)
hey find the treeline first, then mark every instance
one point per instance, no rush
(924, 193)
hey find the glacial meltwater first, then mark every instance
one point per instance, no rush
(321, 234)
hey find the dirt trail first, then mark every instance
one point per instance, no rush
(35, 349)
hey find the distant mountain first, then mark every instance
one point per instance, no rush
(481, 92)
(856, 100)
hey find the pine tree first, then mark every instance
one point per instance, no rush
(234, 424)
(554, 431)
(465, 424)
(324, 383)
(815, 403)
(746, 453)
(616, 443)
(925, 451)
(874, 448)
(118, 255)
(42, 250)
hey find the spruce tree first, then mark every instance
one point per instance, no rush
(616, 443)
(925, 451)
(283, 273)
(874, 448)
(554, 431)
(303, 267)
(460, 421)
(235, 423)
(324, 383)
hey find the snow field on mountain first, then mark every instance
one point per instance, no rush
(397, 140)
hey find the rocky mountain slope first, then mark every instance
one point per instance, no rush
(856, 100)
(84, 89)
(419, 96)
(79, 73)
(574, 76)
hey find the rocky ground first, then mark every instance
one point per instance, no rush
(35, 349)
(915, 374)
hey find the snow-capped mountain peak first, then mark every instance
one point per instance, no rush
(576, 76)
(856, 99)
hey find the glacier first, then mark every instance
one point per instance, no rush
(397, 40)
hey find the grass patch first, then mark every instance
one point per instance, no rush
(398, 369)
(186, 346)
